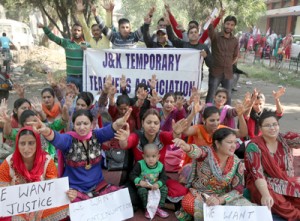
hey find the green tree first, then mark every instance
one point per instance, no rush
(247, 12)
(60, 13)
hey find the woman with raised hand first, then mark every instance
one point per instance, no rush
(201, 134)
(270, 174)
(217, 175)
(81, 149)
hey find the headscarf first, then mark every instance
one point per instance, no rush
(37, 170)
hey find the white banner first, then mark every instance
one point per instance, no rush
(240, 213)
(176, 69)
(112, 206)
(32, 197)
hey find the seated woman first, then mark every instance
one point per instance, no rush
(81, 149)
(257, 106)
(217, 175)
(51, 108)
(170, 111)
(201, 134)
(269, 169)
(29, 116)
(29, 163)
(227, 113)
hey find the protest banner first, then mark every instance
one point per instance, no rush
(176, 69)
(112, 206)
(30, 197)
(236, 213)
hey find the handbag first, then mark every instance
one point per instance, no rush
(116, 159)
(173, 159)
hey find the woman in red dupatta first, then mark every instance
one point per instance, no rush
(270, 174)
(29, 163)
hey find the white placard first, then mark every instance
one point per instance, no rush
(236, 213)
(212, 16)
(32, 197)
(175, 69)
(112, 206)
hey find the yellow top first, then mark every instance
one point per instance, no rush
(103, 43)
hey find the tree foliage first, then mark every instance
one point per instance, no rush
(247, 12)
(60, 13)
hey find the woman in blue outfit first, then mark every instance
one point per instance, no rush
(82, 153)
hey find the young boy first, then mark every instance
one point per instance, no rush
(149, 174)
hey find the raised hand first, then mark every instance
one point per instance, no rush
(147, 19)
(119, 123)
(68, 101)
(3, 106)
(112, 92)
(151, 11)
(37, 105)
(154, 98)
(123, 82)
(222, 13)
(141, 96)
(182, 144)
(180, 101)
(4, 116)
(279, 93)
(194, 92)
(20, 90)
(38, 126)
(166, 19)
(123, 134)
(108, 5)
(167, 7)
(153, 81)
(179, 126)
(80, 6)
(240, 108)
(72, 89)
(107, 84)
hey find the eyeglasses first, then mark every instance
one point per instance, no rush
(271, 125)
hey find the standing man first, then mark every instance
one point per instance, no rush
(224, 47)
(74, 52)
(95, 39)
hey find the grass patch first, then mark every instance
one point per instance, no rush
(262, 72)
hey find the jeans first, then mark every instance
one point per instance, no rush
(213, 84)
(77, 80)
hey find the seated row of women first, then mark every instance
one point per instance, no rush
(212, 172)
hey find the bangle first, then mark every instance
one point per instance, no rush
(191, 148)
(51, 131)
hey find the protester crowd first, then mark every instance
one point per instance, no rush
(223, 154)
(266, 45)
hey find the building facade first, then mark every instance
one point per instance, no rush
(282, 17)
